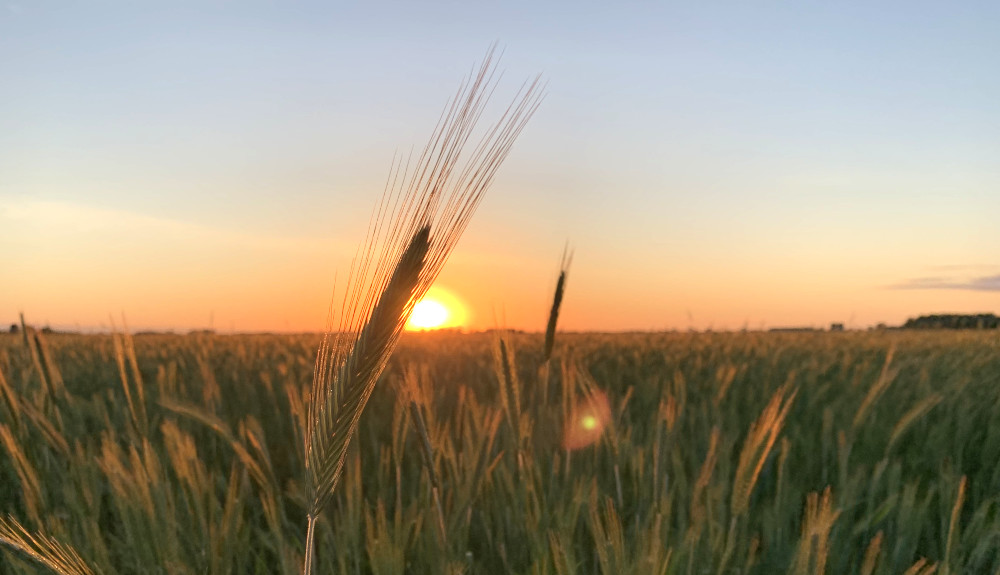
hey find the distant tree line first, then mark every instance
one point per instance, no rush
(954, 321)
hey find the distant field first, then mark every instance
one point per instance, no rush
(847, 452)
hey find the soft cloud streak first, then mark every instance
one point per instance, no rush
(980, 283)
(78, 220)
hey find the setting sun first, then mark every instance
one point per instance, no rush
(439, 309)
(428, 314)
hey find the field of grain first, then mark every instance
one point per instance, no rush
(851, 452)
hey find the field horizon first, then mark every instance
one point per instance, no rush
(15, 326)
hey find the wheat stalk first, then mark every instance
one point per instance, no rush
(550, 329)
(422, 214)
(872, 553)
(757, 446)
(58, 557)
(814, 547)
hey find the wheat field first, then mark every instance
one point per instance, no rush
(855, 452)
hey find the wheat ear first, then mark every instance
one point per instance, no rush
(423, 212)
(58, 557)
(550, 329)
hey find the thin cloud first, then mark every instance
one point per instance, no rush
(78, 220)
(966, 268)
(980, 283)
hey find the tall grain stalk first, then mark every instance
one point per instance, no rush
(550, 328)
(51, 553)
(412, 231)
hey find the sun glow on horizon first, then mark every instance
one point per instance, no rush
(439, 309)
(428, 314)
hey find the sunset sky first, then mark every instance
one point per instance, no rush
(712, 165)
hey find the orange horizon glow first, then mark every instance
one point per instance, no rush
(246, 303)
(168, 276)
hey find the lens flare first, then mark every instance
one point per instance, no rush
(587, 421)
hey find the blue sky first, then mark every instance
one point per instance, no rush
(713, 165)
